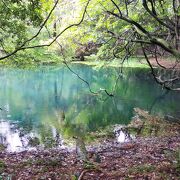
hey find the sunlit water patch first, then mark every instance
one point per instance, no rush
(122, 135)
(48, 106)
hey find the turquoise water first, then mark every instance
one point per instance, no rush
(49, 105)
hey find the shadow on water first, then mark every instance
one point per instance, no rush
(49, 105)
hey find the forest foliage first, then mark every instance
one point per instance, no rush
(118, 28)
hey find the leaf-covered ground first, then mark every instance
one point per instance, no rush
(143, 158)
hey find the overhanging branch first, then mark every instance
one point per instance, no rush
(154, 40)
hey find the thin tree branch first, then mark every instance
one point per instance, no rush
(160, 42)
(158, 79)
(151, 67)
(156, 58)
(144, 2)
(120, 13)
(54, 40)
(86, 82)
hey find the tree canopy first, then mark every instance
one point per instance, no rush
(111, 29)
(16, 18)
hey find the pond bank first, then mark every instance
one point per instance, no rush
(153, 154)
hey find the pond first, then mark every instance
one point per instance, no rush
(47, 106)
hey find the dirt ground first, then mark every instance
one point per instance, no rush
(142, 158)
(165, 63)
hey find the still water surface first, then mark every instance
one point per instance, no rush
(50, 105)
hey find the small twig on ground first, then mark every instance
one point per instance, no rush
(82, 174)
